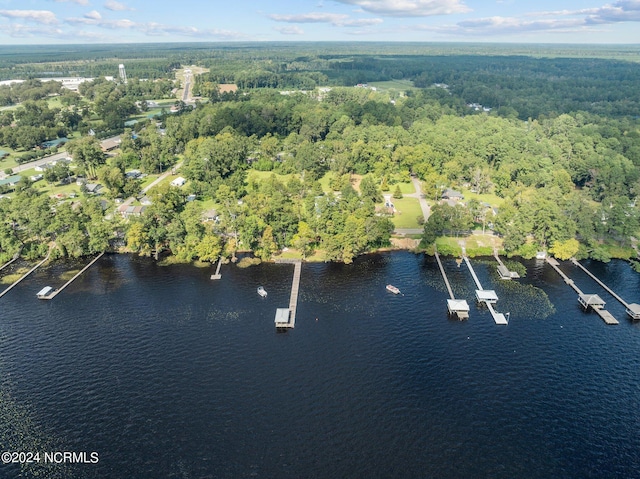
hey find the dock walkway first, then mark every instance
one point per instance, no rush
(217, 274)
(26, 274)
(293, 299)
(503, 271)
(606, 288)
(459, 307)
(486, 296)
(15, 257)
(55, 293)
(584, 299)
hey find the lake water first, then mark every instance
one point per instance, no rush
(167, 374)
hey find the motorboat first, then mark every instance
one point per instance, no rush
(393, 289)
(262, 292)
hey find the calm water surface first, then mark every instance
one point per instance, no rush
(167, 374)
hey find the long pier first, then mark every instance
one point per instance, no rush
(459, 307)
(586, 300)
(486, 296)
(26, 274)
(55, 293)
(217, 274)
(15, 257)
(473, 273)
(503, 271)
(286, 318)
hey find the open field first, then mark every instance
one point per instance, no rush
(407, 213)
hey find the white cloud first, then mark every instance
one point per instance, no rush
(151, 28)
(410, 8)
(559, 21)
(290, 30)
(336, 19)
(507, 25)
(116, 6)
(314, 17)
(93, 15)
(18, 30)
(44, 17)
(79, 2)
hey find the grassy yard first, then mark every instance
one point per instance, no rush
(393, 85)
(405, 187)
(492, 199)
(256, 175)
(407, 212)
(476, 245)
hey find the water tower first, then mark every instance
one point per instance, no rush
(123, 74)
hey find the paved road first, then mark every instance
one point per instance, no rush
(128, 201)
(43, 160)
(33, 164)
(187, 84)
(426, 211)
(408, 231)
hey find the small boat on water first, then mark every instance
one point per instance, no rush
(393, 289)
(262, 292)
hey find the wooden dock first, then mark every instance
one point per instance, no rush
(632, 309)
(55, 293)
(289, 321)
(15, 257)
(585, 299)
(26, 274)
(503, 271)
(217, 275)
(487, 296)
(457, 307)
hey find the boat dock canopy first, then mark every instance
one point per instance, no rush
(504, 273)
(634, 310)
(459, 307)
(486, 296)
(283, 318)
(592, 300)
(44, 291)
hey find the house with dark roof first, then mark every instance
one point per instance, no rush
(450, 194)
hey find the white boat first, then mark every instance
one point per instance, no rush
(262, 292)
(393, 289)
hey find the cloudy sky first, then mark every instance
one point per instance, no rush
(106, 21)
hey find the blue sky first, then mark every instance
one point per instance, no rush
(107, 21)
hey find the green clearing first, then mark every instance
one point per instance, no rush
(255, 175)
(393, 85)
(406, 188)
(475, 245)
(492, 199)
(291, 253)
(407, 212)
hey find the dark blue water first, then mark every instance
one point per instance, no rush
(167, 374)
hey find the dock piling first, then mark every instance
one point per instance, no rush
(26, 274)
(458, 307)
(53, 294)
(217, 275)
(283, 320)
(587, 300)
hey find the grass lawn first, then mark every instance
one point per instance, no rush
(476, 245)
(407, 212)
(492, 199)
(406, 188)
(256, 175)
(324, 182)
(147, 180)
(291, 253)
(44, 187)
(393, 85)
